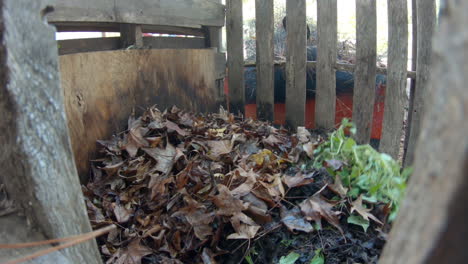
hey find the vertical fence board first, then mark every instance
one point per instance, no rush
(296, 61)
(265, 53)
(395, 93)
(426, 10)
(131, 35)
(235, 56)
(414, 52)
(326, 59)
(366, 54)
(431, 227)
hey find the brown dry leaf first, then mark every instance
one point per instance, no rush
(364, 212)
(335, 164)
(219, 147)
(257, 210)
(121, 213)
(303, 135)
(134, 140)
(309, 149)
(272, 140)
(275, 188)
(197, 216)
(94, 212)
(165, 158)
(228, 204)
(208, 257)
(245, 227)
(338, 187)
(315, 208)
(293, 220)
(246, 187)
(299, 179)
(171, 126)
(157, 185)
(130, 255)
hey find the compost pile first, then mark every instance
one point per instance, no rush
(186, 188)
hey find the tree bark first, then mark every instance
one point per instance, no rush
(432, 223)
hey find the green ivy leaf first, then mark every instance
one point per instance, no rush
(318, 258)
(290, 258)
(358, 220)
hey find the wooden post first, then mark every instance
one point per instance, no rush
(364, 74)
(36, 161)
(432, 224)
(131, 35)
(426, 24)
(296, 59)
(265, 56)
(395, 93)
(325, 99)
(235, 55)
(414, 52)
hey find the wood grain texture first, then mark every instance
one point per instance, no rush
(296, 58)
(395, 92)
(101, 89)
(426, 25)
(265, 55)
(36, 161)
(414, 52)
(235, 56)
(326, 59)
(131, 35)
(364, 73)
(183, 13)
(71, 46)
(431, 226)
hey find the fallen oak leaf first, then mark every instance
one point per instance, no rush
(299, 179)
(134, 140)
(227, 204)
(315, 208)
(244, 226)
(171, 126)
(293, 220)
(338, 187)
(121, 213)
(364, 212)
(309, 149)
(132, 254)
(165, 158)
(334, 164)
(303, 135)
(218, 148)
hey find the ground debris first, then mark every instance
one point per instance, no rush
(187, 188)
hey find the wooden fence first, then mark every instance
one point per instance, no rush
(364, 70)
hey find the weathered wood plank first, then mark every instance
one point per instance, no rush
(326, 59)
(220, 66)
(364, 73)
(265, 55)
(296, 58)
(113, 27)
(426, 26)
(414, 52)
(71, 46)
(338, 66)
(235, 55)
(131, 35)
(36, 161)
(431, 226)
(183, 13)
(102, 88)
(395, 93)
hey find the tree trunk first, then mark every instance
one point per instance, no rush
(36, 162)
(432, 224)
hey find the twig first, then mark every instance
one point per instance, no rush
(74, 240)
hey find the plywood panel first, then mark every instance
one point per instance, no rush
(101, 89)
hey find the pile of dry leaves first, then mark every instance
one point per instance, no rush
(186, 188)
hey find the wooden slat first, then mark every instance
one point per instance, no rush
(71, 46)
(36, 160)
(103, 88)
(235, 56)
(338, 66)
(395, 93)
(431, 226)
(114, 27)
(364, 73)
(220, 65)
(131, 35)
(326, 59)
(183, 13)
(296, 58)
(426, 26)
(265, 55)
(414, 52)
